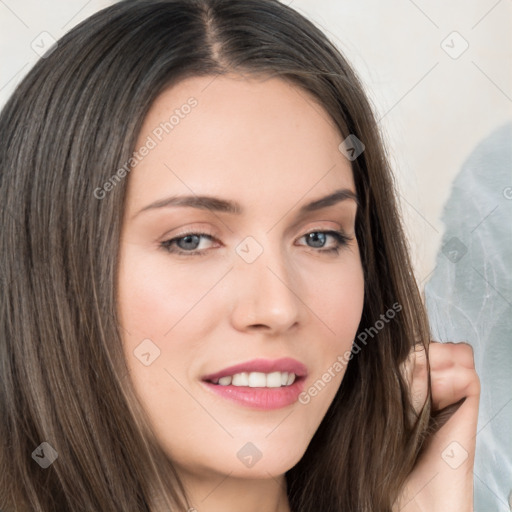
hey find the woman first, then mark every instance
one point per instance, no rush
(208, 302)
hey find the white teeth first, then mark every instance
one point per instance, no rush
(273, 380)
(258, 379)
(240, 379)
(225, 381)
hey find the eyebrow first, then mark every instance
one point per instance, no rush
(218, 204)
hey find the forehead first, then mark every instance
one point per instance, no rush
(246, 137)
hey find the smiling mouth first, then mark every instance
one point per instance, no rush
(257, 379)
(259, 384)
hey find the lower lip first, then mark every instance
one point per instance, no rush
(259, 398)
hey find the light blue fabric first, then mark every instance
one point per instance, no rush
(469, 299)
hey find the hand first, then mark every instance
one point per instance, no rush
(442, 479)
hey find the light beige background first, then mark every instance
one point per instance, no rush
(433, 108)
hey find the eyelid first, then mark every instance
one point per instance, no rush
(167, 244)
(189, 229)
(337, 227)
(339, 235)
(195, 229)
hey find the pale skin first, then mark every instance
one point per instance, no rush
(443, 477)
(271, 148)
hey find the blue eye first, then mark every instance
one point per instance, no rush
(188, 243)
(318, 240)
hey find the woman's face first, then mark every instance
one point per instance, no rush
(232, 280)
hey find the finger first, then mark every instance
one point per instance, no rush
(415, 372)
(415, 364)
(453, 445)
(444, 355)
(443, 478)
(444, 473)
(449, 385)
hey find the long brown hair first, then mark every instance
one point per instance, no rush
(71, 123)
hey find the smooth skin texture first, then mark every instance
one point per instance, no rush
(269, 146)
(443, 477)
(266, 145)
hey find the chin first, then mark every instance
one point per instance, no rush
(241, 458)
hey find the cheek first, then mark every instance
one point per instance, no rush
(336, 297)
(338, 308)
(155, 297)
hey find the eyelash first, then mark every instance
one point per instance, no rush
(341, 239)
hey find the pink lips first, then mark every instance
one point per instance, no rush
(260, 398)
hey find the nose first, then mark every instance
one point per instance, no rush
(266, 294)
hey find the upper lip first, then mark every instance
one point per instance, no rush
(285, 364)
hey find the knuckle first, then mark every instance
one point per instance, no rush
(464, 345)
(473, 385)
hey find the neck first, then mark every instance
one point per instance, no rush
(223, 493)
